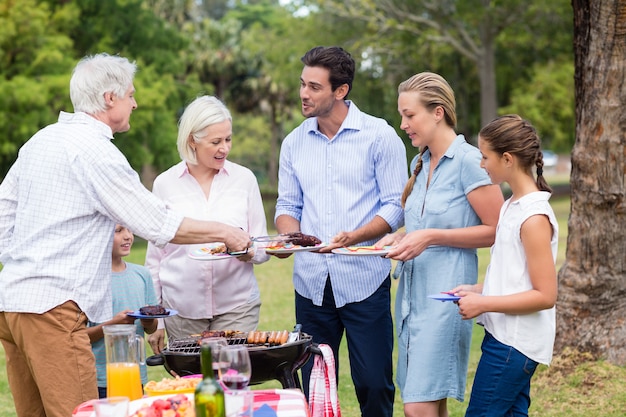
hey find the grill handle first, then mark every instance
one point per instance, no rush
(311, 349)
(155, 360)
(314, 349)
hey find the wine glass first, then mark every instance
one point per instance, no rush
(216, 343)
(234, 367)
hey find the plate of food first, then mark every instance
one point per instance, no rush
(152, 312)
(363, 250)
(212, 252)
(291, 243)
(287, 247)
(179, 404)
(444, 296)
(172, 386)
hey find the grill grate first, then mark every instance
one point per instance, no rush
(191, 345)
(188, 345)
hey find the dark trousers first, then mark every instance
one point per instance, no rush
(502, 382)
(369, 334)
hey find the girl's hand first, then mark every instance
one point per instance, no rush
(466, 288)
(471, 304)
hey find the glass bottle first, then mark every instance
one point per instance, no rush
(209, 396)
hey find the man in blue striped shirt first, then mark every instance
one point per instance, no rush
(341, 176)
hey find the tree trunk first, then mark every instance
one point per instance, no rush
(591, 309)
(487, 74)
(277, 135)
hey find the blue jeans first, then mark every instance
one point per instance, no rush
(369, 333)
(502, 382)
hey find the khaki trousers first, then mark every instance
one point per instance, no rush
(244, 318)
(50, 366)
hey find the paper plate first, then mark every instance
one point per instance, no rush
(289, 248)
(444, 297)
(137, 314)
(362, 251)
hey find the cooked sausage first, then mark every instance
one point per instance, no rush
(284, 336)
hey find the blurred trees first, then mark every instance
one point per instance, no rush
(546, 99)
(35, 60)
(483, 48)
(248, 54)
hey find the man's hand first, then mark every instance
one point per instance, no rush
(237, 240)
(157, 341)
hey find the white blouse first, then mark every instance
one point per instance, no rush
(203, 289)
(532, 334)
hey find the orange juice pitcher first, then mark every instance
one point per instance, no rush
(125, 351)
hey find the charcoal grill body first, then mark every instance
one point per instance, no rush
(281, 363)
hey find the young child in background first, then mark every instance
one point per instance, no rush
(131, 288)
(516, 302)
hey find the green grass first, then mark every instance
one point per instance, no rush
(573, 386)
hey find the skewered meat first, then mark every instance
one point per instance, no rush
(212, 333)
(300, 239)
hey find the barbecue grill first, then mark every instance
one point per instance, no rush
(182, 357)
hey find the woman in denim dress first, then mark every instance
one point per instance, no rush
(451, 208)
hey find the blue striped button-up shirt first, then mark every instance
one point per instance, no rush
(340, 185)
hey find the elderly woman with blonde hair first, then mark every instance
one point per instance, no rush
(207, 295)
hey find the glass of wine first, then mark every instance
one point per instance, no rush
(234, 367)
(216, 343)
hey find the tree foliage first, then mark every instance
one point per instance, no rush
(35, 61)
(535, 100)
(441, 35)
(248, 54)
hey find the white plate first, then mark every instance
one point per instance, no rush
(289, 248)
(134, 406)
(137, 314)
(362, 251)
(204, 253)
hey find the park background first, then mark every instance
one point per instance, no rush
(575, 385)
(511, 56)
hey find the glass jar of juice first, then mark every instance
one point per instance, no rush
(125, 351)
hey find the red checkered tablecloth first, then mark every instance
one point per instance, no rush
(283, 403)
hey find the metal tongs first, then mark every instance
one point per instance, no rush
(274, 238)
(236, 253)
(295, 335)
